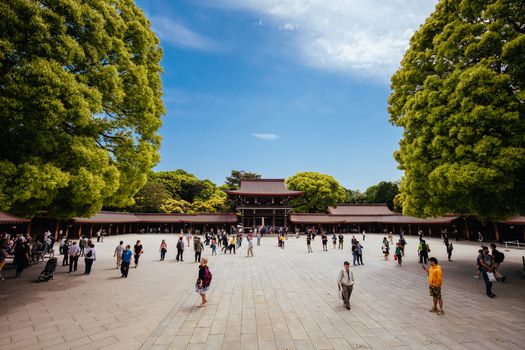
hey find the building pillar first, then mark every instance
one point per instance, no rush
(28, 228)
(117, 229)
(79, 230)
(56, 231)
(496, 230)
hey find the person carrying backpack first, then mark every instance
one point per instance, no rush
(423, 250)
(203, 281)
(498, 259)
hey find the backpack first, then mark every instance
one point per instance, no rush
(89, 254)
(499, 257)
(207, 277)
(424, 248)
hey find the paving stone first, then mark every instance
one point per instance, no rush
(280, 299)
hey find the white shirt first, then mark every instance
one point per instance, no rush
(74, 250)
(119, 249)
(346, 278)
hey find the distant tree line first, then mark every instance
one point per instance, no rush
(181, 192)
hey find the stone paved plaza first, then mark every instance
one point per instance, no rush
(280, 299)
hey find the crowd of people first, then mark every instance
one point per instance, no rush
(26, 251)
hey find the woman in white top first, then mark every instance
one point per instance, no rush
(90, 255)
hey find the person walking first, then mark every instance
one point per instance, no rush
(126, 261)
(138, 250)
(119, 249)
(385, 248)
(450, 247)
(20, 257)
(224, 243)
(364, 235)
(422, 250)
(359, 250)
(74, 253)
(334, 240)
(324, 240)
(232, 244)
(355, 260)
(198, 248)
(213, 246)
(163, 249)
(486, 266)
(341, 239)
(65, 252)
(282, 238)
(391, 238)
(203, 281)
(402, 243)
(259, 236)
(180, 249)
(188, 237)
(345, 284)
(90, 255)
(250, 246)
(435, 280)
(398, 255)
(3, 256)
(498, 259)
(309, 242)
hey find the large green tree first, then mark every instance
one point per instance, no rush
(459, 97)
(383, 192)
(354, 196)
(320, 191)
(179, 192)
(80, 105)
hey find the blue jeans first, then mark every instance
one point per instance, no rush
(354, 255)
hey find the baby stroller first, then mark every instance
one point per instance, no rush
(49, 270)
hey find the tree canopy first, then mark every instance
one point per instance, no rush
(320, 191)
(80, 105)
(459, 97)
(233, 182)
(383, 192)
(179, 192)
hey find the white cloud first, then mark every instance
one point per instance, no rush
(178, 34)
(364, 37)
(266, 137)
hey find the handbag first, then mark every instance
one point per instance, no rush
(491, 277)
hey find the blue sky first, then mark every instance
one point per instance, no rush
(282, 86)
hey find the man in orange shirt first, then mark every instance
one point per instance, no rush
(435, 279)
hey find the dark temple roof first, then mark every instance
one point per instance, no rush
(6, 218)
(360, 209)
(128, 218)
(264, 187)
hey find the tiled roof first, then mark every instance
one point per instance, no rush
(360, 209)
(516, 220)
(125, 218)
(359, 219)
(6, 218)
(264, 187)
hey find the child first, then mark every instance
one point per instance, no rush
(334, 240)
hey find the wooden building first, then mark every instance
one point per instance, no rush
(375, 218)
(263, 202)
